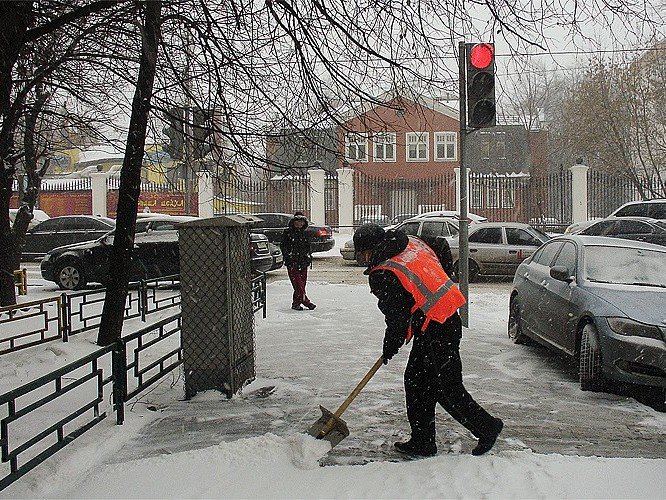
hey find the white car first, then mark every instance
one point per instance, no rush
(452, 214)
(655, 209)
(37, 216)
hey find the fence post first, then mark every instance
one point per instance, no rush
(119, 373)
(206, 195)
(99, 189)
(143, 299)
(345, 200)
(457, 171)
(317, 202)
(64, 317)
(579, 192)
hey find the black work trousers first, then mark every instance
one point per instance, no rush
(434, 375)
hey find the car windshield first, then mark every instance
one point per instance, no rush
(630, 266)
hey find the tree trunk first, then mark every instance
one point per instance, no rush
(16, 17)
(130, 181)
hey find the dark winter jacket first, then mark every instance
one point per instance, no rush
(295, 246)
(396, 303)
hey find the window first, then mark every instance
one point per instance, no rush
(484, 149)
(445, 146)
(164, 226)
(453, 228)
(545, 255)
(487, 235)
(417, 146)
(432, 230)
(83, 223)
(501, 149)
(630, 227)
(477, 196)
(657, 210)
(411, 228)
(567, 258)
(598, 229)
(515, 236)
(384, 146)
(141, 227)
(357, 147)
(49, 225)
(637, 209)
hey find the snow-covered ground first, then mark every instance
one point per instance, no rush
(253, 445)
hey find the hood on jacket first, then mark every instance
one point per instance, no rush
(298, 217)
(394, 243)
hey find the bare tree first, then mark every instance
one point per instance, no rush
(612, 119)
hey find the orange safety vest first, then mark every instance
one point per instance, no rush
(420, 273)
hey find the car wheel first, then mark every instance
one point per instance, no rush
(589, 369)
(515, 329)
(70, 276)
(473, 271)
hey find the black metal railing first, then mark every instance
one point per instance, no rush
(151, 301)
(258, 289)
(30, 323)
(155, 351)
(23, 451)
(83, 310)
(123, 369)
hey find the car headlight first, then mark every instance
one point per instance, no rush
(625, 326)
(47, 257)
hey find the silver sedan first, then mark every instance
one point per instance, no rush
(497, 248)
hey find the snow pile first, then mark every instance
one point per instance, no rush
(270, 466)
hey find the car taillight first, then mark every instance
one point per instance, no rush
(323, 232)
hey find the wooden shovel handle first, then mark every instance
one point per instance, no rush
(360, 386)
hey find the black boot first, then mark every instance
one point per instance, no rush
(412, 448)
(486, 443)
(297, 307)
(310, 306)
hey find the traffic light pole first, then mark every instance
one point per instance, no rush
(463, 242)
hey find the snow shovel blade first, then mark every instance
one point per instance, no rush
(329, 427)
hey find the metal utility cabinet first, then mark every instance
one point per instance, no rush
(217, 316)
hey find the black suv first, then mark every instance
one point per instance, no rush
(155, 255)
(274, 224)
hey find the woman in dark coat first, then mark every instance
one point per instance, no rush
(297, 258)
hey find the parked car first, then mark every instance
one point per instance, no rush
(273, 225)
(155, 254)
(655, 209)
(631, 228)
(428, 229)
(66, 230)
(381, 220)
(471, 217)
(600, 300)
(400, 218)
(497, 248)
(37, 216)
(276, 253)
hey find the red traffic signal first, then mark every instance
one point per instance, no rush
(481, 55)
(480, 85)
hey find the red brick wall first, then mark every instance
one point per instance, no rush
(416, 118)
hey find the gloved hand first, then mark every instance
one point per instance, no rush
(391, 348)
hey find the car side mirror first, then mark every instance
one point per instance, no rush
(561, 273)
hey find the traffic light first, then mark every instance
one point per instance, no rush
(480, 59)
(202, 132)
(174, 131)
